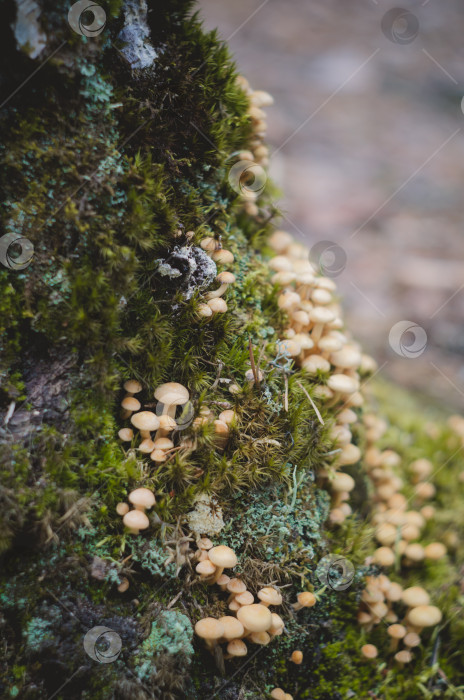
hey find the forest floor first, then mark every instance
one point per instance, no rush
(367, 143)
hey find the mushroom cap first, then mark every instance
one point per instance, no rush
(172, 394)
(277, 624)
(222, 256)
(350, 454)
(255, 618)
(435, 550)
(223, 556)
(158, 455)
(369, 651)
(163, 443)
(313, 363)
(396, 631)
(297, 656)
(209, 628)
(237, 647)
(167, 423)
(278, 694)
(384, 556)
(130, 403)
(147, 445)
(306, 599)
(403, 657)
(415, 596)
(226, 277)
(270, 596)
(424, 616)
(217, 305)
(204, 543)
(236, 586)
(245, 598)
(342, 482)
(145, 420)
(205, 568)
(204, 310)
(304, 341)
(321, 314)
(343, 384)
(280, 241)
(126, 434)
(122, 508)
(132, 386)
(223, 580)
(233, 628)
(414, 552)
(221, 428)
(259, 638)
(347, 416)
(209, 243)
(227, 416)
(136, 520)
(329, 343)
(347, 358)
(280, 263)
(412, 639)
(142, 497)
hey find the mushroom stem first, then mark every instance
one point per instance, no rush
(217, 573)
(217, 292)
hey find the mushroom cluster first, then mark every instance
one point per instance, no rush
(135, 520)
(215, 304)
(258, 151)
(221, 424)
(169, 396)
(398, 528)
(316, 342)
(379, 599)
(253, 621)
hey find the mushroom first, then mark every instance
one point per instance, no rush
(306, 599)
(217, 305)
(171, 395)
(210, 630)
(424, 616)
(342, 384)
(269, 596)
(245, 598)
(132, 386)
(222, 256)
(384, 556)
(233, 628)
(435, 551)
(205, 568)
(222, 581)
(255, 618)
(158, 456)
(223, 558)
(262, 638)
(146, 446)
(145, 421)
(227, 416)
(225, 279)
(142, 499)
(204, 311)
(411, 639)
(129, 404)
(297, 657)
(278, 694)
(369, 651)
(236, 647)
(277, 625)
(135, 520)
(124, 585)
(403, 657)
(126, 434)
(122, 508)
(235, 586)
(415, 596)
(340, 484)
(320, 316)
(204, 543)
(396, 633)
(221, 433)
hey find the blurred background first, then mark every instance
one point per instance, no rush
(367, 146)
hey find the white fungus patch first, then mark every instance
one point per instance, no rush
(27, 30)
(206, 518)
(135, 35)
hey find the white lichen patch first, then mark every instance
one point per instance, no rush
(206, 518)
(27, 30)
(135, 35)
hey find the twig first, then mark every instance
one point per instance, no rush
(311, 402)
(286, 392)
(252, 362)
